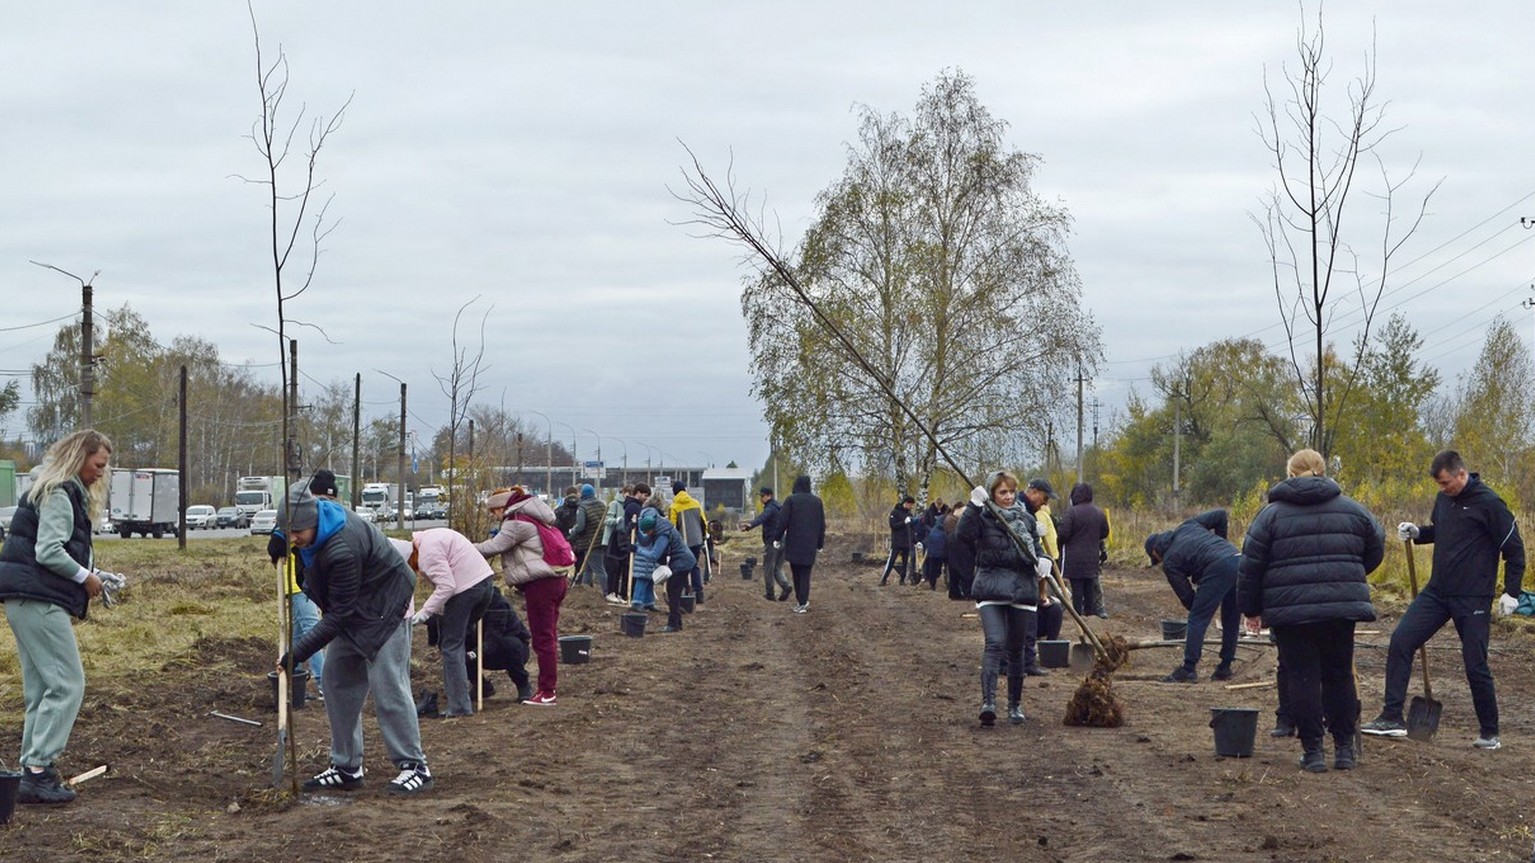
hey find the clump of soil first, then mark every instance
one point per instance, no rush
(1094, 704)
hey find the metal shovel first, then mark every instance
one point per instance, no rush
(1423, 711)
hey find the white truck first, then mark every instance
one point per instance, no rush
(146, 501)
(256, 493)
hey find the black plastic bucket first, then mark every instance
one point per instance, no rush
(1236, 728)
(750, 561)
(575, 649)
(10, 786)
(633, 624)
(746, 572)
(858, 557)
(298, 688)
(687, 601)
(1054, 653)
(1174, 630)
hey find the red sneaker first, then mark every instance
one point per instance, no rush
(542, 699)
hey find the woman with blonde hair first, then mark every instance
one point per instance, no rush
(1302, 574)
(47, 576)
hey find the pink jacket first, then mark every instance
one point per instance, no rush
(522, 553)
(450, 562)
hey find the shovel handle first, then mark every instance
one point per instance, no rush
(1412, 579)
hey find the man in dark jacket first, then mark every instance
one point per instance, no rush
(802, 525)
(901, 520)
(584, 535)
(1472, 527)
(1302, 574)
(961, 557)
(1201, 565)
(364, 587)
(772, 557)
(1083, 530)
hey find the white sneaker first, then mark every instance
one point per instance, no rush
(801, 609)
(615, 599)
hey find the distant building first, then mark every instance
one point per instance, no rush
(729, 487)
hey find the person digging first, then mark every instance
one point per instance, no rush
(1201, 565)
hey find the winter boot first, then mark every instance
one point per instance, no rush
(988, 698)
(1314, 760)
(1015, 713)
(1345, 757)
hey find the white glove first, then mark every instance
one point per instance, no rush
(778, 543)
(1506, 605)
(979, 496)
(1044, 567)
(1406, 530)
(111, 583)
(919, 546)
(420, 617)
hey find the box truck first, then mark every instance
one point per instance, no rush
(256, 493)
(145, 501)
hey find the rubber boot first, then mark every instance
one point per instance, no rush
(1015, 700)
(988, 698)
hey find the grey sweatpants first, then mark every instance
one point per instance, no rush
(52, 678)
(349, 677)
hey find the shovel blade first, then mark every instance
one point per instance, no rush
(279, 758)
(1423, 718)
(1082, 658)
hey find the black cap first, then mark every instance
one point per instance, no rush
(1043, 485)
(323, 483)
(908, 499)
(767, 489)
(678, 486)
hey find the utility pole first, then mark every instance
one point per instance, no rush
(181, 465)
(399, 507)
(1095, 405)
(1177, 441)
(1080, 473)
(356, 439)
(87, 351)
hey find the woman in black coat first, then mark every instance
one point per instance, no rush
(801, 527)
(1303, 574)
(1004, 541)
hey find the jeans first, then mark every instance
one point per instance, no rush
(772, 570)
(1424, 617)
(1217, 588)
(801, 572)
(1005, 629)
(459, 616)
(644, 595)
(543, 599)
(305, 615)
(617, 566)
(1319, 679)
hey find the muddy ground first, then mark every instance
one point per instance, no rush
(848, 733)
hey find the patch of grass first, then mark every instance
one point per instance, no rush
(224, 588)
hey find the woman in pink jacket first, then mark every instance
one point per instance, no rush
(461, 589)
(522, 563)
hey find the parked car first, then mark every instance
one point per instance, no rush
(201, 516)
(264, 521)
(231, 516)
(104, 523)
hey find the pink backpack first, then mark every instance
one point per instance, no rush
(557, 550)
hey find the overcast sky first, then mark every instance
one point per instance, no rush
(523, 153)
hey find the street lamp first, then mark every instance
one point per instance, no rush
(574, 480)
(548, 454)
(600, 468)
(649, 476)
(625, 480)
(399, 506)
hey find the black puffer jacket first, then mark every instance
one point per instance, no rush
(1307, 554)
(1003, 571)
(1189, 549)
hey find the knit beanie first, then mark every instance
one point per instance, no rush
(301, 510)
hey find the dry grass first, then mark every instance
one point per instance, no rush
(216, 587)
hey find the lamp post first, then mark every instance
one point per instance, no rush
(649, 475)
(625, 479)
(548, 454)
(399, 506)
(574, 479)
(600, 468)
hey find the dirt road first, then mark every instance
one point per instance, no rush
(848, 733)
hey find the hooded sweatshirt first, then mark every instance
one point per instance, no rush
(801, 524)
(687, 514)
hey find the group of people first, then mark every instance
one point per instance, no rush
(1302, 572)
